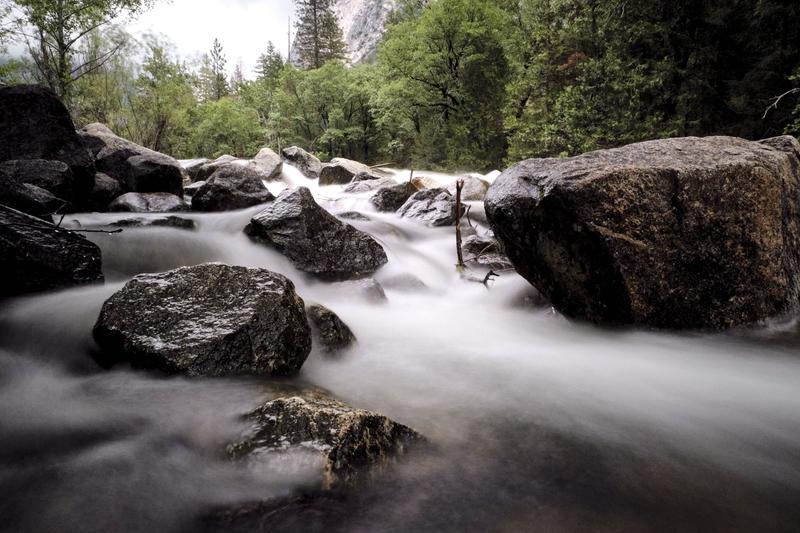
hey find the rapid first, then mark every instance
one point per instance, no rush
(537, 423)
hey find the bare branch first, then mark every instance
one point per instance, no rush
(777, 99)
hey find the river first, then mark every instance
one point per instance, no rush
(536, 423)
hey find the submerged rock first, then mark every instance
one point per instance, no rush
(675, 233)
(136, 168)
(368, 289)
(306, 163)
(348, 444)
(154, 202)
(368, 185)
(164, 222)
(405, 282)
(353, 215)
(231, 187)
(315, 241)
(341, 171)
(434, 207)
(269, 163)
(34, 124)
(207, 320)
(485, 251)
(37, 256)
(329, 330)
(393, 198)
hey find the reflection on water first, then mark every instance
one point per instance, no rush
(537, 423)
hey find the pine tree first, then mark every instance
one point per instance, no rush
(319, 37)
(219, 81)
(269, 64)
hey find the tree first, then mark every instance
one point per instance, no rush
(53, 29)
(237, 79)
(269, 64)
(224, 126)
(219, 81)
(319, 38)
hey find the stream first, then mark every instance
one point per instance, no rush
(536, 423)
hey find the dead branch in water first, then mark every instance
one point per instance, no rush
(460, 265)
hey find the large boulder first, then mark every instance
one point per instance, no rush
(677, 233)
(136, 168)
(154, 202)
(207, 320)
(347, 444)
(474, 190)
(392, 198)
(332, 334)
(269, 163)
(315, 241)
(53, 176)
(341, 171)
(105, 190)
(29, 198)
(34, 124)
(38, 256)
(434, 207)
(306, 163)
(192, 166)
(231, 187)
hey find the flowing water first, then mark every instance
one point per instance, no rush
(536, 423)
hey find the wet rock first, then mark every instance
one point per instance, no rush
(105, 190)
(368, 185)
(341, 171)
(269, 163)
(353, 215)
(404, 282)
(37, 256)
(34, 124)
(207, 320)
(306, 163)
(485, 251)
(231, 187)
(348, 444)
(434, 207)
(193, 166)
(153, 202)
(475, 188)
(136, 168)
(53, 176)
(29, 198)
(392, 198)
(315, 241)
(676, 233)
(191, 190)
(168, 222)
(367, 289)
(425, 182)
(329, 330)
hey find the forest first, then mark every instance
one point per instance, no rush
(456, 84)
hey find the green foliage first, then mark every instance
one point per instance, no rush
(319, 37)
(224, 126)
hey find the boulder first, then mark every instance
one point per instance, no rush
(34, 124)
(191, 190)
(29, 198)
(347, 444)
(315, 241)
(328, 329)
(105, 190)
(162, 222)
(53, 176)
(392, 198)
(154, 202)
(136, 168)
(434, 207)
(231, 187)
(306, 163)
(697, 233)
(192, 166)
(207, 320)
(269, 163)
(485, 251)
(475, 188)
(425, 182)
(341, 171)
(38, 256)
(368, 185)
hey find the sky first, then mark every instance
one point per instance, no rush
(244, 27)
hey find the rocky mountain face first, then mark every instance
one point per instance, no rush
(362, 23)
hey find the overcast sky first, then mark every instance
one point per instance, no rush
(244, 27)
